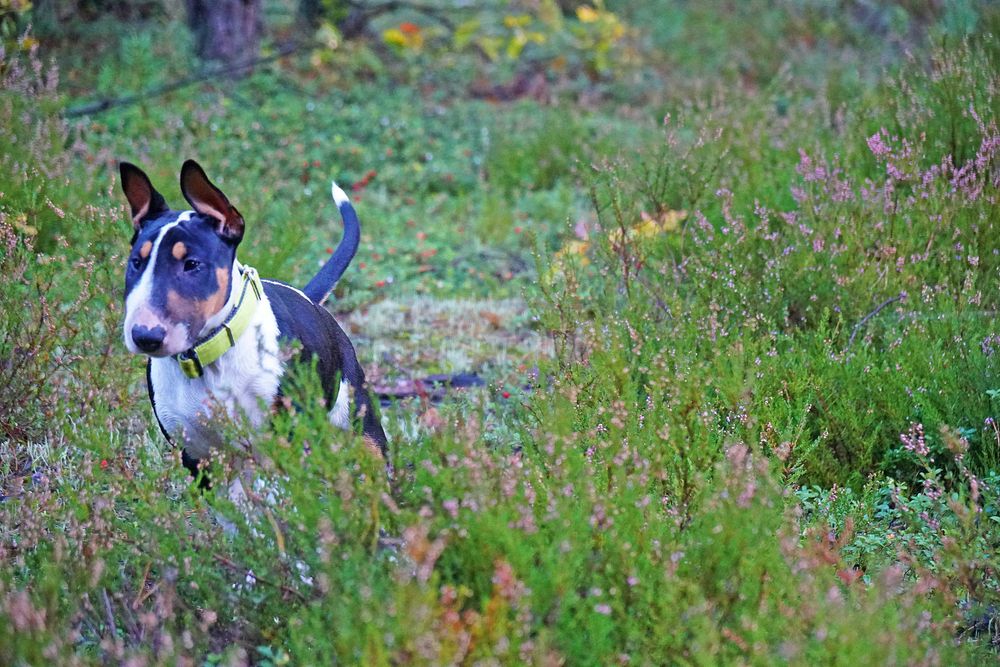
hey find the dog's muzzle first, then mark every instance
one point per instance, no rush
(148, 339)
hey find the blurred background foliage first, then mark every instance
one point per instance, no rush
(728, 271)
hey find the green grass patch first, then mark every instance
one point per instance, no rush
(737, 331)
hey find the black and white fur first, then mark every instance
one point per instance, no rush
(182, 266)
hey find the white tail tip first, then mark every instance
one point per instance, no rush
(339, 196)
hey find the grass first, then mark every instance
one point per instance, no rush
(733, 301)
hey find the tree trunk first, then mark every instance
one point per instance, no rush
(310, 13)
(226, 31)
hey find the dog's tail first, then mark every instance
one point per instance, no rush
(322, 284)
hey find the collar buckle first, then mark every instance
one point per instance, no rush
(250, 276)
(190, 363)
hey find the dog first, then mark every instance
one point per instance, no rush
(214, 332)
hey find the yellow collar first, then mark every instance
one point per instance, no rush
(208, 349)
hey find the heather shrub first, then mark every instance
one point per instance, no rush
(824, 317)
(58, 322)
(765, 432)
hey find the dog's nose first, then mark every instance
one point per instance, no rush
(146, 339)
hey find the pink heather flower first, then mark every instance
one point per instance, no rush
(603, 608)
(599, 518)
(877, 145)
(931, 174)
(974, 485)
(932, 489)
(809, 170)
(747, 494)
(933, 524)
(987, 346)
(507, 584)
(914, 441)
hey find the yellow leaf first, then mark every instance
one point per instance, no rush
(21, 225)
(587, 14)
(491, 46)
(515, 45)
(399, 38)
(574, 252)
(465, 32)
(394, 36)
(666, 221)
(670, 220)
(550, 14)
(647, 228)
(516, 21)
(328, 35)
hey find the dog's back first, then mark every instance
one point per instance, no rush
(300, 319)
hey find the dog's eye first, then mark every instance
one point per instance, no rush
(192, 265)
(136, 263)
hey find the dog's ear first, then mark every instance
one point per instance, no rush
(145, 201)
(208, 200)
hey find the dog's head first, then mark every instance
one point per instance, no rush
(179, 275)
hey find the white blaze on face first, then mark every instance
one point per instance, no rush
(139, 310)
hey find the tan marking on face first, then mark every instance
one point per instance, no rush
(195, 312)
(145, 249)
(220, 296)
(179, 250)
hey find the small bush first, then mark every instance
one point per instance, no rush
(766, 432)
(836, 306)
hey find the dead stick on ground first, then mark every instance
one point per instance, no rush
(112, 630)
(878, 309)
(98, 106)
(144, 591)
(286, 589)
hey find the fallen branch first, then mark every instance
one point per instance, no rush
(878, 309)
(108, 613)
(144, 590)
(239, 568)
(432, 387)
(100, 106)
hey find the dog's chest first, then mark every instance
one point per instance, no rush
(242, 384)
